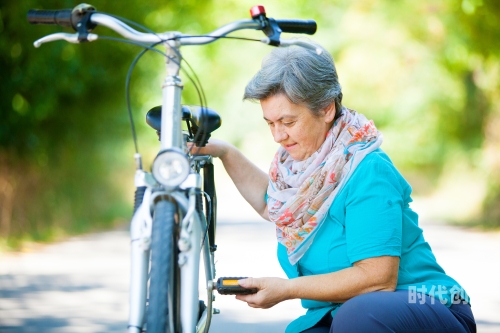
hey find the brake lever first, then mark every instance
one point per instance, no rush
(290, 42)
(72, 38)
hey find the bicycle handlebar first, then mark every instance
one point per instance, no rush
(74, 18)
(65, 18)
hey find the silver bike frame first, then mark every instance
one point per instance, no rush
(192, 228)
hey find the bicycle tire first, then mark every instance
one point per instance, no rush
(163, 307)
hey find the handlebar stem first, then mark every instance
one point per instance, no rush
(173, 54)
(171, 119)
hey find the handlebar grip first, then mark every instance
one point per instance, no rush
(308, 27)
(60, 17)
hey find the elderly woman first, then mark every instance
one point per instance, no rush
(347, 238)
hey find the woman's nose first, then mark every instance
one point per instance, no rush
(279, 134)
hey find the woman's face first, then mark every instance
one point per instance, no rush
(295, 127)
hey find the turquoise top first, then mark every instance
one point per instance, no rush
(371, 217)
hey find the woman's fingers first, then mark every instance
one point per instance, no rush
(214, 147)
(255, 300)
(271, 291)
(249, 283)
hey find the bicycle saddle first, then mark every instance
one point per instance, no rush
(203, 121)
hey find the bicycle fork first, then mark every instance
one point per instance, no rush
(190, 242)
(140, 234)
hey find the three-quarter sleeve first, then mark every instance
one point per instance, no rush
(373, 210)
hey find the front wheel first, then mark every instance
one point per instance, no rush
(162, 315)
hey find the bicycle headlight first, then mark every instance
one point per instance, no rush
(171, 168)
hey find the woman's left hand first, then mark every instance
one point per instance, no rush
(271, 291)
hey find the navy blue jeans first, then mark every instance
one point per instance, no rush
(382, 311)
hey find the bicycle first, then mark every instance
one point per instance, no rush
(175, 209)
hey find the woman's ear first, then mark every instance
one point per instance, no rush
(329, 112)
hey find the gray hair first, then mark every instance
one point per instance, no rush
(302, 75)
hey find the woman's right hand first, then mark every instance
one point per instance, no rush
(250, 181)
(214, 147)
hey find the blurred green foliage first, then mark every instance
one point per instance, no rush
(427, 72)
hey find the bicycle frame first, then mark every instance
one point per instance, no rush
(192, 227)
(193, 241)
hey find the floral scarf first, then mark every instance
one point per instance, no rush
(300, 193)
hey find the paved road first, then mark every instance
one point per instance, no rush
(81, 285)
